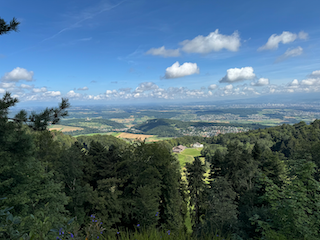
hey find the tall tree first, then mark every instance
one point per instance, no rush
(23, 179)
(198, 192)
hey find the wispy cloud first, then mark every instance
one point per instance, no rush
(89, 15)
(290, 53)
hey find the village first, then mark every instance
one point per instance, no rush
(211, 131)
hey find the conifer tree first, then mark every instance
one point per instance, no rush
(6, 28)
(198, 192)
(23, 179)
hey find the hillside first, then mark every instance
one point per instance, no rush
(176, 128)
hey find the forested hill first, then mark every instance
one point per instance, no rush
(82, 122)
(170, 127)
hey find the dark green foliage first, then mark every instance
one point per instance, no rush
(198, 192)
(222, 212)
(105, 140)
(6, 28)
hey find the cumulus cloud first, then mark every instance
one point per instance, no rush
(2, 90)
(261, 82)
(164, 52)
(83, 89)
(25, 86)
(315, 74)
(145, 86)
(18, 74)
(228, 87)
(38, 90)
(213, 42)
(238, 74)
(176, 71)
(285, 37)
(52, 93)
(212, 86)
(108, 92)
(294, 82)
(290, 53)
(72, 94)
(310, 81)
(7, 85)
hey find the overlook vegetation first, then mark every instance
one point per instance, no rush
(262, 184)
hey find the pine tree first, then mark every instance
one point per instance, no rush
(6, 28)
(23, 179)
(198, 192)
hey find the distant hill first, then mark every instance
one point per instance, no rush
(170, 128)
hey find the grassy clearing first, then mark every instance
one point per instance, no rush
(192, 152)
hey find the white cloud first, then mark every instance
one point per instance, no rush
(108, 92)
(18, 74)
(261, 82)
(213, 42)
(25, 86)
(315, 74)
(310, 81)
(52, 94)
(238, 74)
(294, 82)
(290, 53)
(38, 90)
(7, 85)
(228, 87)
(285, 37)
(83, 89)
(72, 94)
(212, 86)
(145, 86)
(164, 52)
(2, 90)
(176, 71)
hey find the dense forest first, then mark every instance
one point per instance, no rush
(263, 184)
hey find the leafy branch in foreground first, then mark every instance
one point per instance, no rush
(35, 121)
(6, 28)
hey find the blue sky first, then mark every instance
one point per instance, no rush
(145, 51)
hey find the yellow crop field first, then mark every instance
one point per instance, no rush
(63, 128)
(134, 136)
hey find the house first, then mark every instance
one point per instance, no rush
(197, 145)
(178, 149)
